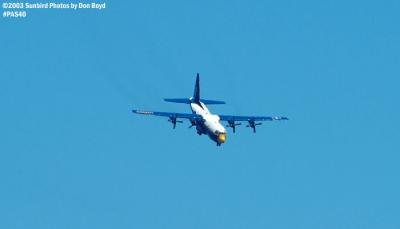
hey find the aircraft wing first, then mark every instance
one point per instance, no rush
(231, 119)
(171, 115)
(250, 118)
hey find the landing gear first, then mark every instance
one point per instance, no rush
(194, 122)
(199, 129)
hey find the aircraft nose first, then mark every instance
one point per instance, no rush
(221, 138)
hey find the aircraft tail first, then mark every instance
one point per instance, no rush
(196, 96)
(189, 101)
(196, 93)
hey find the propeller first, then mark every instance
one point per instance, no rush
(232, 124)
(173, 120)
(253, 125)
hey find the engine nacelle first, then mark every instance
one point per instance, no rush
(253, 124)
(172, 119)
(232, 124)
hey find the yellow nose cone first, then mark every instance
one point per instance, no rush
(221, 138)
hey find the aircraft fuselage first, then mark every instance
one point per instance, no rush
(210, 124)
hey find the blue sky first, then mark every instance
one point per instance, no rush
(73, 156)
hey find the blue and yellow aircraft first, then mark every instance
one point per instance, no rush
(206, 122)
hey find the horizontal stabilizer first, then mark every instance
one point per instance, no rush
(191, 100)
(188, 101)
(207, 101)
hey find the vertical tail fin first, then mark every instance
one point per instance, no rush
(196, 94)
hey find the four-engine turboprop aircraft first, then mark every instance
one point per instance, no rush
(206, 122)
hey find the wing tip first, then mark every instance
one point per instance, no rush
(278, 118)
(142, 112)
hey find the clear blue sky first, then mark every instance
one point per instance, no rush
(72, 155)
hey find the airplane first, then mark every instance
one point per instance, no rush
(205, 122)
